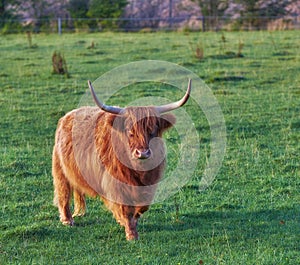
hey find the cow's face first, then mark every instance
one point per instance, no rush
(141, 125)
(135, 128)
(138, 129)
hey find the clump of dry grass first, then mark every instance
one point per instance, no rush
(240, 49)
(59, 64)
(197, 50)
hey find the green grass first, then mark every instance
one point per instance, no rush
(249, 215)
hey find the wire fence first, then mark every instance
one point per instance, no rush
(192, 23)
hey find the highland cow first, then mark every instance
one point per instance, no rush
(113, 153)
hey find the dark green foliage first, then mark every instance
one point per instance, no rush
(101, 12)
(7, 17)
(6, 9)
(78, 8)
(105, 9)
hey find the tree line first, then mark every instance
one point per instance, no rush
(123, 14)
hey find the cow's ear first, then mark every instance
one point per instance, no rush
(167, 121)
(118, 122)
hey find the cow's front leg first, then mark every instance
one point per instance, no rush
(131, 228)
(129, 221)
(126, 216)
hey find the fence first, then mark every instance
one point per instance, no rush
(63, 25)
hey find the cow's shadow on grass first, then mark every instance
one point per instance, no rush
(236, 223)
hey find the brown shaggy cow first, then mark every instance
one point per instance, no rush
(111, 152)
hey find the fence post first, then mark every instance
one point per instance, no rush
(59, 26)
(170, 14)
(203, 24)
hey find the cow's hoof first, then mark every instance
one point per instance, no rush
(68, 222)
(132, 236)
(78, 213)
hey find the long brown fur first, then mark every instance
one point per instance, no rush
(86, 161)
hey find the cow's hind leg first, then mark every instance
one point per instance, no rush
(62, 193)
(79, 203)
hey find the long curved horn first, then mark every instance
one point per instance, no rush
(110, 109)
(177, 104)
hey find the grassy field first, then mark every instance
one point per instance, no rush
(251, 212)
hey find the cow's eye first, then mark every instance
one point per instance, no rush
(153, 133)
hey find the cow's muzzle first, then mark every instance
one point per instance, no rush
(142, 153)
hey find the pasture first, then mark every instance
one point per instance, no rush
(249, 215)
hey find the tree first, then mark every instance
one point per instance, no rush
(104, 9)
(257, 12)
(274, 8)
(8, 16)
(78, 8)
(212, 10)
(252, 14)
(3, 5)
(6, 9)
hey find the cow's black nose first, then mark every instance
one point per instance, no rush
(142, 154)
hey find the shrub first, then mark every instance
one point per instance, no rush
(59, 64)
